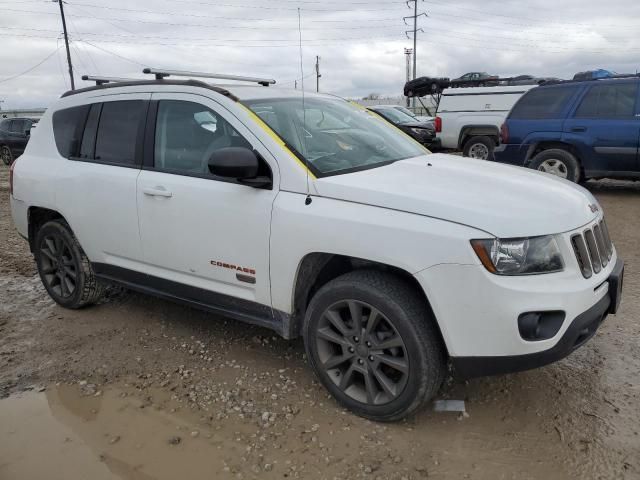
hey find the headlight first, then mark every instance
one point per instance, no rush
(519, 256)
(420, 131)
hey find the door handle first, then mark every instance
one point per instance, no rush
(579, 129)
(157, 192)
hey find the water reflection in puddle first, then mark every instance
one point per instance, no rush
(63, 434)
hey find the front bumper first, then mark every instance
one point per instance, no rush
(583, 327)
(579, 331)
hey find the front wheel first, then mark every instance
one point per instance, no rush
(64, 269)
(372, 342)
(6, 155)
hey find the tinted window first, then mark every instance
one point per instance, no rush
(18, 126)
(609, 100)
(67, 129)
(118, 131)
(4, 125)
(541, 103)
(187, 134)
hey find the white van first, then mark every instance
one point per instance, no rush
(469, 119)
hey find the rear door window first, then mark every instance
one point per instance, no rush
(18, 126)
(67, 129)
(609, 101)
(542, 103)
(118, 132)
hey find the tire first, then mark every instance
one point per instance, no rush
(403, 323)
(75, 285)
(557, 162)
(480, 147)
(6, 154)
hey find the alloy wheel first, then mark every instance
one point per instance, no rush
(555, 167)
(362, 353)
(479, 151)
(57, 265)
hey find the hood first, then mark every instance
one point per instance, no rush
(422, 125)
(502, 200)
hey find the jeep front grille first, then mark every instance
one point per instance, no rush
(593, 248)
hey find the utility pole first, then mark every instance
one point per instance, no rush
(407, 53)
(66, 42)
(318, 73)
(414, 32)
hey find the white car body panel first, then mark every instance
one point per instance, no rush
(475, 106)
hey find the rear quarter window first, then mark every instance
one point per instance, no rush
(67, 129)
(542, 103)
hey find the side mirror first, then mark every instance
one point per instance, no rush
(27, 132)
(240, 164)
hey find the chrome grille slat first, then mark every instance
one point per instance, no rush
(580, 250)
(607, 238)
(602, 250)
(593, 251)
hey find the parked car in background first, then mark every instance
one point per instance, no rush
(469, 119)
(474, 79)
(418, 118)
(423, 86)
(14, 135)
(423, 132)
(576, 130)
(594, 74)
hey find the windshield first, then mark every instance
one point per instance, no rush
(406, 111)
(334, 136)
(395, 116)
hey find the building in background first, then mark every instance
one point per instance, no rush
(28, 112)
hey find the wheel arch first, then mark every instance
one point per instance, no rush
(38, 216)
(540, 146)
(469, 131)
(317, 269)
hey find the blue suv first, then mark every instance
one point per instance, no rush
(576, 130)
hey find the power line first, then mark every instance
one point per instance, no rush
(30, 69)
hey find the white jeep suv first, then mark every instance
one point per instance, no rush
(314, 218)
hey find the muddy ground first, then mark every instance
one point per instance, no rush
(139, 388)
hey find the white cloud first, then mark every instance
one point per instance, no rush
(361, 43)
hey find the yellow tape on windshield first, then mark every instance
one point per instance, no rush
(267, 129)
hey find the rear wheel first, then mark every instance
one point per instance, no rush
(558, 162)
(6, 155)
(64, 269)
(372, 342)
(480, 147)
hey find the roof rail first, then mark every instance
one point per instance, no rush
(160, 74)
(103, 80)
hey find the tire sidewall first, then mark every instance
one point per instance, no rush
(416, 357)
(569, 161)
(486, 141)
(58, 228)
(8, 161)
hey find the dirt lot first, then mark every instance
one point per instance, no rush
(139, 388)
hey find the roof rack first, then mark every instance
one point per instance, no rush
(103, 80)
(160, 74)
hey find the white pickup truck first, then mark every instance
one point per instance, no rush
(312, 217)
(469, 119)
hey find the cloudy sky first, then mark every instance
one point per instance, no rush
(361, 43)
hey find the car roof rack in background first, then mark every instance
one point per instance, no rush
(103, 80)
(161, 74)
